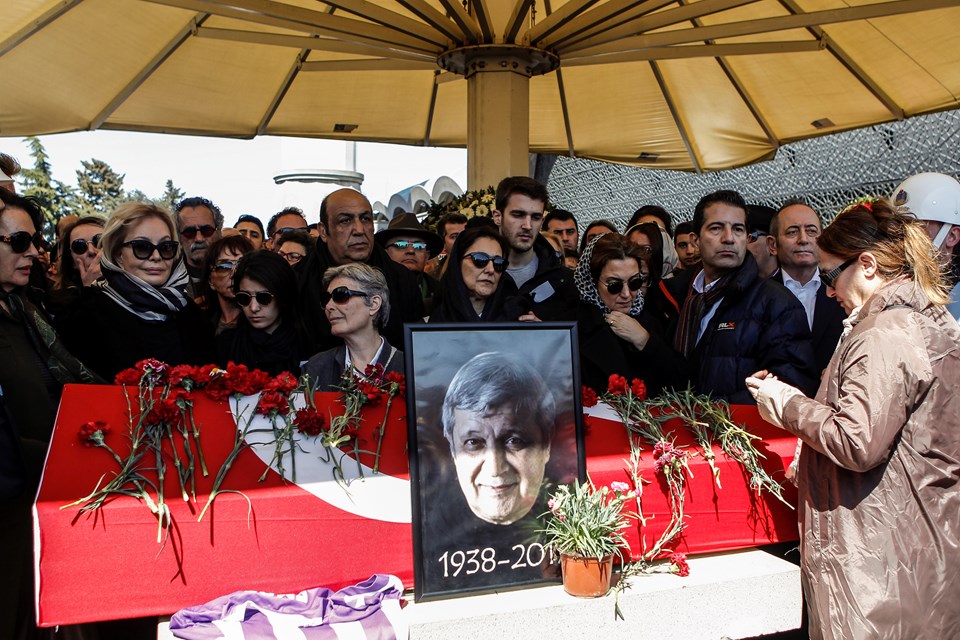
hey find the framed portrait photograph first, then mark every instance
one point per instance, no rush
(495, 426)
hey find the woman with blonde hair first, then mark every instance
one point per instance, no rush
(879, 467)
(140, 309)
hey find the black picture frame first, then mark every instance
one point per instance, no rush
(476, 512)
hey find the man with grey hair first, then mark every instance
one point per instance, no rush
(498, 416)
(199, 223)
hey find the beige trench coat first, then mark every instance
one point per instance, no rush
(879, 475)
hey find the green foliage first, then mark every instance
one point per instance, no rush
(101, 188)
(57, 198)
(586, 521)
(171, 196)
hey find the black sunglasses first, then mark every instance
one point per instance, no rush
(243, 298)
(205, 230)
(481, 260)
(143, 249)
(616, 286)
(21, 241)
(79, 246)
(755, 235)
(339, 295)
(829, 277)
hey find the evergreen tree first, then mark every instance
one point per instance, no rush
(101, 188)
(171, 196)
(57, 198)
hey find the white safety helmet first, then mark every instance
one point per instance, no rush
(931, 196)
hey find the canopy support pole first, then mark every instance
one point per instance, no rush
(498, 107)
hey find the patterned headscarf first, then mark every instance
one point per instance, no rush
(588, 288)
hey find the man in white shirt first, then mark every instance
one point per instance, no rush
(793, 240)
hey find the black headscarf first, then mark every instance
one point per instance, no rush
(503, 304)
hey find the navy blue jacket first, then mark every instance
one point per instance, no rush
(758, 325)
(551, 293)
(828, 318)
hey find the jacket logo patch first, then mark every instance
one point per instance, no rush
(726, 326)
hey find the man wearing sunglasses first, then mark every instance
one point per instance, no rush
(538, 272)
(793, 240)
(408, 243)
(199, 223)
(289, 219)
(734, 322)
(347, 235)
(758, 225)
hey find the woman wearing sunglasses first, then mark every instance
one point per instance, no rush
(657, 300)
(616, 334)
(34, 366)
(356, 300)
(474, 287)
(879, 467)
(79, 262)
(215, 288)
(140, 309)
(268, 335)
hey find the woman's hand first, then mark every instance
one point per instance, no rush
(628, 329)
(771, 395)
(529, 317)
(91, 275)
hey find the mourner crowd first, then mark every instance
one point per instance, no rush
(844, 335)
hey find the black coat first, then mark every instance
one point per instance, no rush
(603, 353)
(406, 304)
(828, 318)
(108, 338)
(274, 353)
(758, 325)
(551, 293)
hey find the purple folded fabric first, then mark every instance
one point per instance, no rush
(370, 610)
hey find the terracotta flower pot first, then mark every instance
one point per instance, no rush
(586, 577)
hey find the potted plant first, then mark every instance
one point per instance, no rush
(585, 526)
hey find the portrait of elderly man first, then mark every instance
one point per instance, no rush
(496, 434)
(498, 416)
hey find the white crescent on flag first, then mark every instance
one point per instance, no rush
(377, 496)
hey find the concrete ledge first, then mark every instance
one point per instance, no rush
(738, 594)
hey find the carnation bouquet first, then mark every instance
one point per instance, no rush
(585, 521)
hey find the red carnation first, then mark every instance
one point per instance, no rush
(285, 383)
(184, 375)
(399, 382)
(273, 403)
(128, 377)
(374, 372)
(617, 385)
(309, 421)
(679, 560)
(163, 412)
(93, 433)
(589, 397)
(639, 389)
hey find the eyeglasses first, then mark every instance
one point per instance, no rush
(616, 286)
(143, 249)
(205, 230)
(226, 265)
(829, 277)
(79, 246)
(403, 245)
(481, 260)
(21, 241)
(244, 298)
(340, 295)
(755, 235)
(293, 257)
